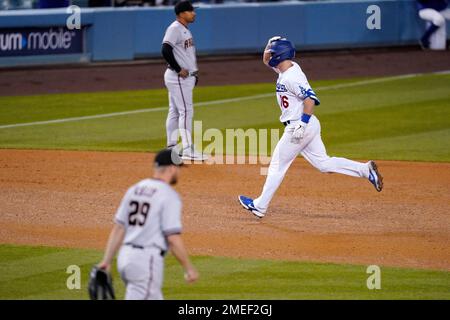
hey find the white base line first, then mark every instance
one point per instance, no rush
(215, 102)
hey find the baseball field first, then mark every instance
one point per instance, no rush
(68, 156)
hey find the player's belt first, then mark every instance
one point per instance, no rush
(191, 73)
(289, 122)
(135, 246)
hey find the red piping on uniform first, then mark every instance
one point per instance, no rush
(149, 288)
(185, 110)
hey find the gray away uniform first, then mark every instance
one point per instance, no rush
(181, 108)
(150, 211)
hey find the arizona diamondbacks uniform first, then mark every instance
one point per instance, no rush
(292, 88)
(181, 108)
(150, 211)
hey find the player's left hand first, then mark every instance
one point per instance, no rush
(183, 73)
(104, 266)
(298, 133)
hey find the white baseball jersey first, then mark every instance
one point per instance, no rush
(292, 89)
(180, 39)
(150, 211)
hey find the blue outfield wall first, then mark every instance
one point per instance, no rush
(128, 33)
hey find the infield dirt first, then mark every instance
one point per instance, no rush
(68, 198)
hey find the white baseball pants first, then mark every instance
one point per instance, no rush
(313, 150)
(142, 270)
(438, 40)
(181, 108)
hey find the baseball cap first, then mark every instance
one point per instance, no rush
(183, 6)
(168, 157)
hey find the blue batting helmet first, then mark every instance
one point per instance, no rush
(281, 50)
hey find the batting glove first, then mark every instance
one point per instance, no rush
(272, 40)
(299, 132)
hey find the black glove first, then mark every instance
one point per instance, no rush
(196, 80)
(100, 285)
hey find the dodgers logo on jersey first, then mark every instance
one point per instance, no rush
(309, 93)
(303, 91)
(281, 87)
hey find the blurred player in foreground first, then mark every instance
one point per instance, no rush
(147, 224)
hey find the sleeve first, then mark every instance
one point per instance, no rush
(276, 70)
(171, 216)
(171, 37)
(121, 216)
(167, 53)
(303, 90)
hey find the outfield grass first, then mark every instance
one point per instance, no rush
(40, 273)
(402, 119)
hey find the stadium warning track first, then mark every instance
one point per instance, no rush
(148, 74)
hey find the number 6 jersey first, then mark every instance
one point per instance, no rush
(150, 211)
(292, 89)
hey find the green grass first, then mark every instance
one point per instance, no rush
(402, 119)
(40, 273)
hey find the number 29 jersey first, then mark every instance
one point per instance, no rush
(150, 211)
(292, 89)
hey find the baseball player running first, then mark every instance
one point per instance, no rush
(434, 12)
(147, 223)
(180, 78)
(297, 101)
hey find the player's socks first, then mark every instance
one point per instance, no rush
(425, 40)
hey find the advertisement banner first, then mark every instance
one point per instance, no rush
(40, 41)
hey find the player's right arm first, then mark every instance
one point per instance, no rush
(267, 54)
(167, 53)
(178, 249)
(114, 242)
(117, 233)
(171, 38)
(266, 57)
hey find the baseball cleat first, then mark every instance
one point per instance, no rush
(247, 203)
(177, 148)
(424, 45)
(375, 177)
(192, 155)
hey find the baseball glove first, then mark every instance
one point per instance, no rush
(100, 285)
